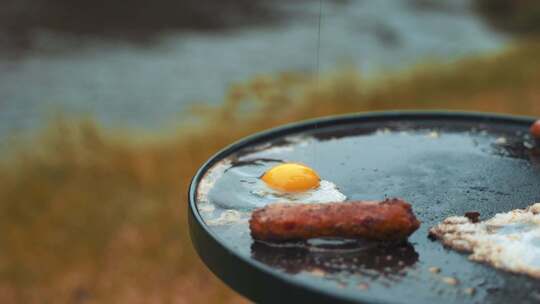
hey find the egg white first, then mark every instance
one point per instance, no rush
(508, 241)
(241, 188)
(325, 193)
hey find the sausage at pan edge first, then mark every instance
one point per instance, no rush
(389, 220)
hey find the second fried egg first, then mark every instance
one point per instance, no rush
(508, 241)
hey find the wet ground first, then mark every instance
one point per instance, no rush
(130, 70)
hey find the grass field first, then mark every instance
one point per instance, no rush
(94, 216)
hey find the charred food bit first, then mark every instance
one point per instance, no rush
(389, 220)
(473, 216)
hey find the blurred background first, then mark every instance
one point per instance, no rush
(107, 108)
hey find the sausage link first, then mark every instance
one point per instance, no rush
(389, 220)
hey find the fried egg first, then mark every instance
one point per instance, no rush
(508, 241)
(256, 183)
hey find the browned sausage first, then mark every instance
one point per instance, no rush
(389, 220)
(535, 130)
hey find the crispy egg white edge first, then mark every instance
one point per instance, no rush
(510, 251)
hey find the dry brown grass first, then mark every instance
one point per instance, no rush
(87, 216)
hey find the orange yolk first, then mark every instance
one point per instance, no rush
(291, 177)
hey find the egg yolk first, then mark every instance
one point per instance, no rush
(291, 177)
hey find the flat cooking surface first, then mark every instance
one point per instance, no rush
(442, 163)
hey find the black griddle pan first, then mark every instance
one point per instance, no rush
(496, 171)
